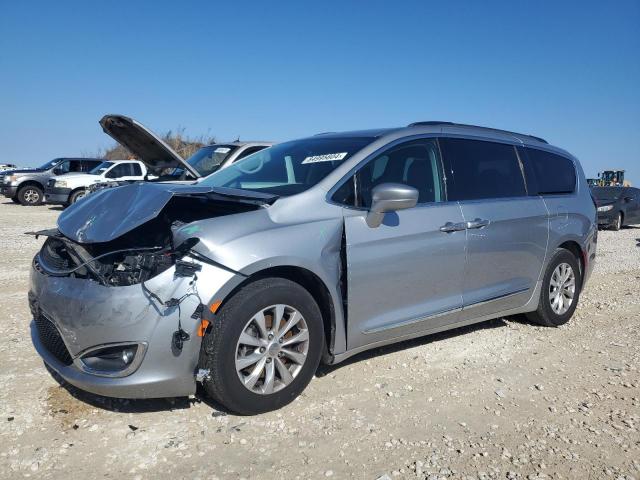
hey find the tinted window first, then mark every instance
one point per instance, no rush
(482, 169)
(88, 165)
(554, 174)
(136, 170)
(75, 166)
(120, 170)
(416, 164)
(288, 168)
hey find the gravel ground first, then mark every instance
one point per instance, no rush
(504, 399)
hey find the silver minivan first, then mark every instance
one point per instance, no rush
(311, 250)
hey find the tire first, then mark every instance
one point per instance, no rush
(224, 353)
(30, 195)
(15, 200)
(554, 315)
(617, 223)
(75, 196)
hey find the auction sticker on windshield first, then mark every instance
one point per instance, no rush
(329, 157)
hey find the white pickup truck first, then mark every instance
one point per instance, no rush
(71, 187)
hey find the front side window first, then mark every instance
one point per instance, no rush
(100, 169)
(554, 174)
(288, 168)
(62, 168)
(482, 170)
(120, 170)
(415, 163)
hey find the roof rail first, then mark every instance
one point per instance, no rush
(432, 123)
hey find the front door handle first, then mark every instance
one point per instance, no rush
(477, 223)
(450, 227)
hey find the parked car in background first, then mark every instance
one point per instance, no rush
(71, 187)
(26, 186)
(164, 162)
(321, 247)
(617, 206)
(7, 166)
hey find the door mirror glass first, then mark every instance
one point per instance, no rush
(389, 197)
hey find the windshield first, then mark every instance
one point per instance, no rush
(50, 163)
(288, 168)
(607, 193)
(208, 159)
(100, 169)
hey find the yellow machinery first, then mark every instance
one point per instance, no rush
(612, 178)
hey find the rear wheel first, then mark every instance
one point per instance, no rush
(561, 287)
(264, 348)
(617, 223)
(30, 195)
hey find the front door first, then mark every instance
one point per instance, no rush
(405, 276)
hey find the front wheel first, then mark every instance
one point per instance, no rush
(77, 195)
(264, 346)
(30, 195)
(561, 287)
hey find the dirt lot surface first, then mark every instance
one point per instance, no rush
(504, 399)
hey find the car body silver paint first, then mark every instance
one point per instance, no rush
(415, 269)
(89, 315)
(306, 230)
(95, 220)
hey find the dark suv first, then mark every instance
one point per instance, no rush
(27, 186)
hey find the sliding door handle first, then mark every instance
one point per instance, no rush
(450, 227)
(477, 223)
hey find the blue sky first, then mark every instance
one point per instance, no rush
(566, 71)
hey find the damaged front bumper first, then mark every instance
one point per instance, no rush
(75, 316)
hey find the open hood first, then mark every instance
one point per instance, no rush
(111, 213)
(144, 144)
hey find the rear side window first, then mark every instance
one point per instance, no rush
(75, 166)
(88, 165)
(482, 170)
(136, 170)
(554, 174)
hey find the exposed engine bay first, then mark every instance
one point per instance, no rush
(140, 254)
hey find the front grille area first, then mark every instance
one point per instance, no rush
(51, 339)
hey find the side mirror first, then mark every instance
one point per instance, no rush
(389, 197)
(627, 199)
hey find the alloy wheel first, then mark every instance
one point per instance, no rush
(272, 349)
(31, 196)
(562, 288)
